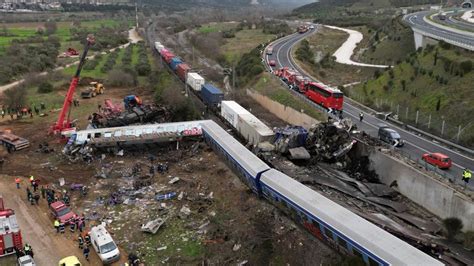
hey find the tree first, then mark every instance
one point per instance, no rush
(438, 104)
(466, 66)
(50, 27)
(452, 226)
(45, 87)
(404, 84)
(15, 96)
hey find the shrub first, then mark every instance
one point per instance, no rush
(45, 87)
(466, 66)
(452, 226)
(120, 78)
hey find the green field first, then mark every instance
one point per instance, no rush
(25, 30)
(215, 27)
(243, 42)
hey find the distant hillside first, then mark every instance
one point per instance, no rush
(314, 7)
(225, 3)
(437, 81)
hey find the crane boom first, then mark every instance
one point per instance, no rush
(62, 123)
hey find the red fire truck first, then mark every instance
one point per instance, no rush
(10, 234)
(287, 75)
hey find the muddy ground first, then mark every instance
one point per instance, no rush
(226, 223)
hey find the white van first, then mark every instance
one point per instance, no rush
(104, 245)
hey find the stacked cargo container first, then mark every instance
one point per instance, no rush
(182, 71)
(211, 95)
(175, 61)
(195, 81)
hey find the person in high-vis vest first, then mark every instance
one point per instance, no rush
(466, 175)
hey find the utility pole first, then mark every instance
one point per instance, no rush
(136, 16)
(233, 76)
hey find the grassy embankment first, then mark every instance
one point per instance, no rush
(436, 81)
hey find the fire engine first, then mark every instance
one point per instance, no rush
(10, 234)
(287, 75)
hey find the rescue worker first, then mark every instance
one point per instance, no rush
(31, 199)
(43, 192)
(72, 227)
(28, 194)
(61, 228)
(32, 178)
(86, 252)
(56, 225)
(36, 197)
(361, 116)
(80, 239)
(466, 175)
(28, 250)
(66, 199)
(87, 239)
(34, 184)
(17, 182)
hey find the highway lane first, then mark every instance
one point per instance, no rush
(415, 145)
(452, 21)
(416, 20)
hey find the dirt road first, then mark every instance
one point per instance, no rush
(37, 228)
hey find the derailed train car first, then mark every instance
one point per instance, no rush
(324, 218)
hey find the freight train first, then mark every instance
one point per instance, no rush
(210, 95)
(322, 217)
(326, 96)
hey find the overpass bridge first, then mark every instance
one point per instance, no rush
(426, 31)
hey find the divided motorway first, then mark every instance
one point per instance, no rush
(415, 145)
(416, 20)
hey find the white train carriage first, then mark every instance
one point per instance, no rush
(246, 164)
(329, 221)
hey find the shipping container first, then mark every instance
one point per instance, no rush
(195, 81)
(175, 61)
(211, 95)
(159, 46)
(231, 110)
(164, 50)
(253, 130)
(182, 70)
(167, 56)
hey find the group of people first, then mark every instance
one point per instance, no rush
(21, 111)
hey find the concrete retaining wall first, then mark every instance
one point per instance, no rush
(285, 113)
(435, 196)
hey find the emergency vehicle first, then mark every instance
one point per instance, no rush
(10, 233)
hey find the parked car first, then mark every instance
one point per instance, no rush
(390, 136)
(272, 63)
(60, 211)
(26, 260)
(70, 261)
(437, 159)
(104, 245)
